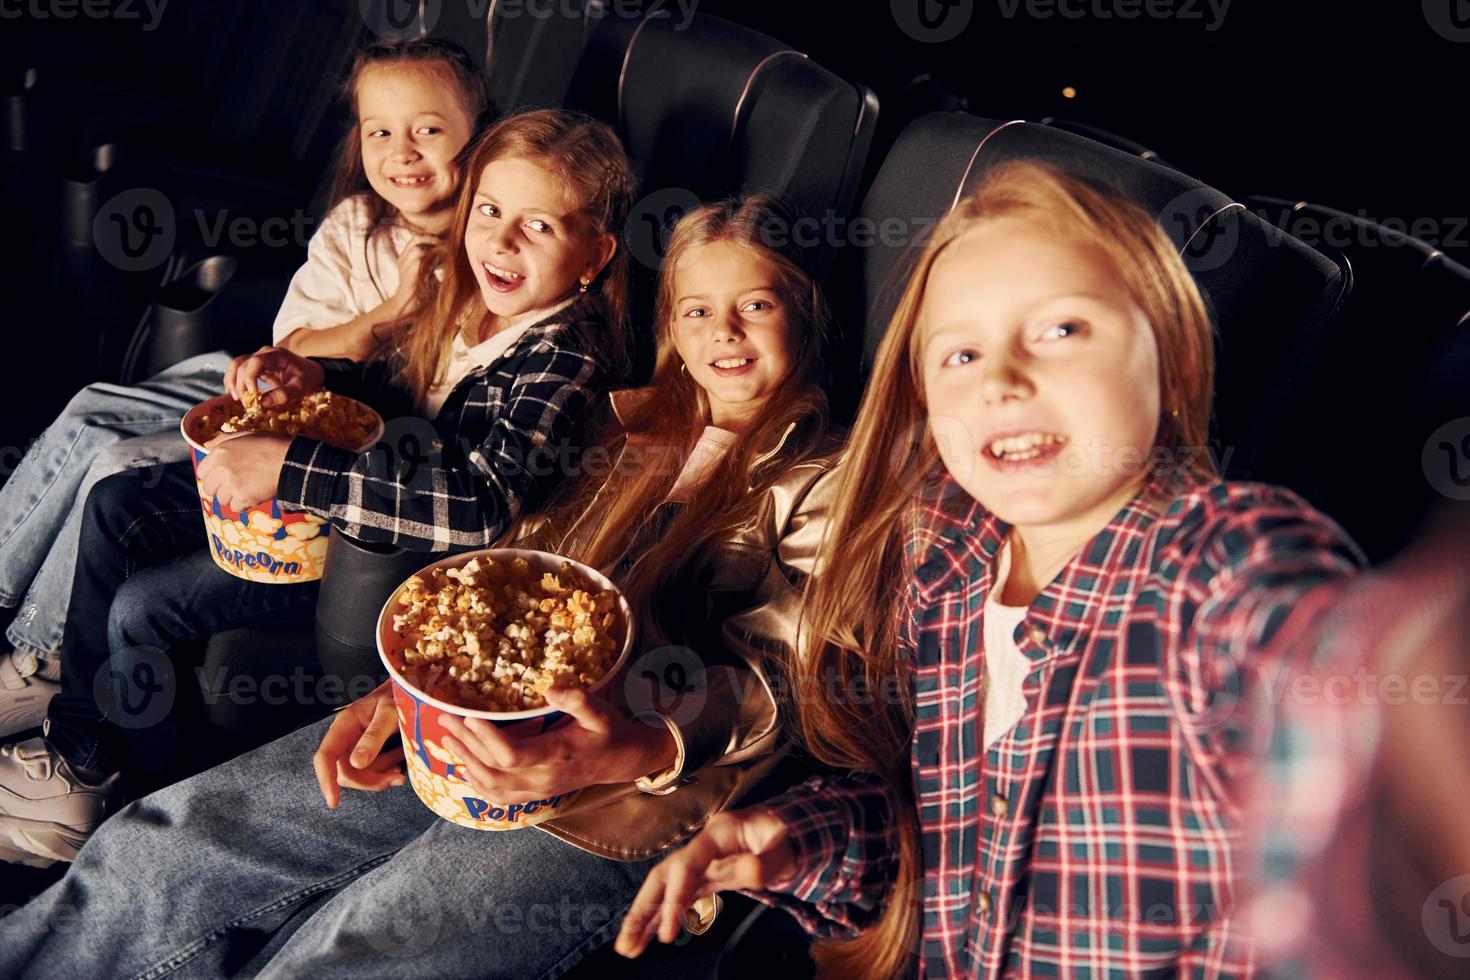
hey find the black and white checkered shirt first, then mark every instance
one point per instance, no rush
(500, 440)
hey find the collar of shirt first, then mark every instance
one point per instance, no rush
(713, 443)
(501, 341)
(967, 539)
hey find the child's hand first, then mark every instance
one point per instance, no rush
(351, 753)
(291, 374)
(601, 745)
(243, 469)
(747, 849)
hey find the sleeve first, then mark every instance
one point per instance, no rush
(845, 842)
(320, 294)
(738, 719)
(1254, 596)
(371, 382)
(381, 497)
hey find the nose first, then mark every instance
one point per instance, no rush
(404, 149)
(727, 329)
(502, 237)
(1003, 378)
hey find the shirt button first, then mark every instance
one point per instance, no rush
(984, 902)
(1037, 634)
(999, 806)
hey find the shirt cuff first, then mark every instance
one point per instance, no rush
(665, 781)
(309, 475)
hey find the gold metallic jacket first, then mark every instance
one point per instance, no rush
(698, 663)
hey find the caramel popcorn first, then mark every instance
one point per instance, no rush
(494, 636)
(320, 415)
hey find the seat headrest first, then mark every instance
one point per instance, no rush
(1268, 294)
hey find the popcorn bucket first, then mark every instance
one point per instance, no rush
(435, 774)
(261, 543)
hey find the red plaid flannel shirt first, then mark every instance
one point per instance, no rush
(1103, 835)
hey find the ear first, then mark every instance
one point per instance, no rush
(603, 250)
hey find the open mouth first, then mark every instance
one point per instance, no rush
(728, 367)
(1023, 449)
(502, 280)
(412, 181)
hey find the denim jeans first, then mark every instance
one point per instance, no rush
(105, 429)
(242, 870)
(144, 584)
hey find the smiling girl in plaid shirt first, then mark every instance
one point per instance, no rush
(1031, 535)
(517, 335)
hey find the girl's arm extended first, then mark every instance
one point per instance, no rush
(412, 501)
(823, 851)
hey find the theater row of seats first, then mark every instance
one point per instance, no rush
(1335, 365)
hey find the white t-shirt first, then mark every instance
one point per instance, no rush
(1006, 666)
(347, 273)
(463, 358)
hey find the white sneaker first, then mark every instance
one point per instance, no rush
(46, 812)
(24, 693)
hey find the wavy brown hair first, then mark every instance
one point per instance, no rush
(854, 603)
(668, 424)
(587, 157)
(445, 59)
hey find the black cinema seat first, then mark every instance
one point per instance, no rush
(1268, 294)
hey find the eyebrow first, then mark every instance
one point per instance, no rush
(743, 292)
(417, 115)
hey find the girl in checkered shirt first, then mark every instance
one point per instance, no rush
(522, 331)
(1031, 535)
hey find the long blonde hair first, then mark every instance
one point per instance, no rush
(853, 605)
(587, 157)
(672, 419)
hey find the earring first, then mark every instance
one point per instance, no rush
(583, 288)
(682, 369)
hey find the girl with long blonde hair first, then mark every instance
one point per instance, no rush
(1029, 533)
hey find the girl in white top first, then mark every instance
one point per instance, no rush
(416, 105)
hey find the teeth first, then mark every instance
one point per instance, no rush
(411, 181)
(502, 273)
(732, 362)
(1023, 446)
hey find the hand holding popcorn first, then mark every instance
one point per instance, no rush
(601, 745)
(242, 470)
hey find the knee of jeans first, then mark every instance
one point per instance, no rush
(113, 506)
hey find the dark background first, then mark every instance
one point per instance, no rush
(1355, 107)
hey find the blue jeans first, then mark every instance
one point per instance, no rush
(105, 429)
(146, 584)
(243, 870)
